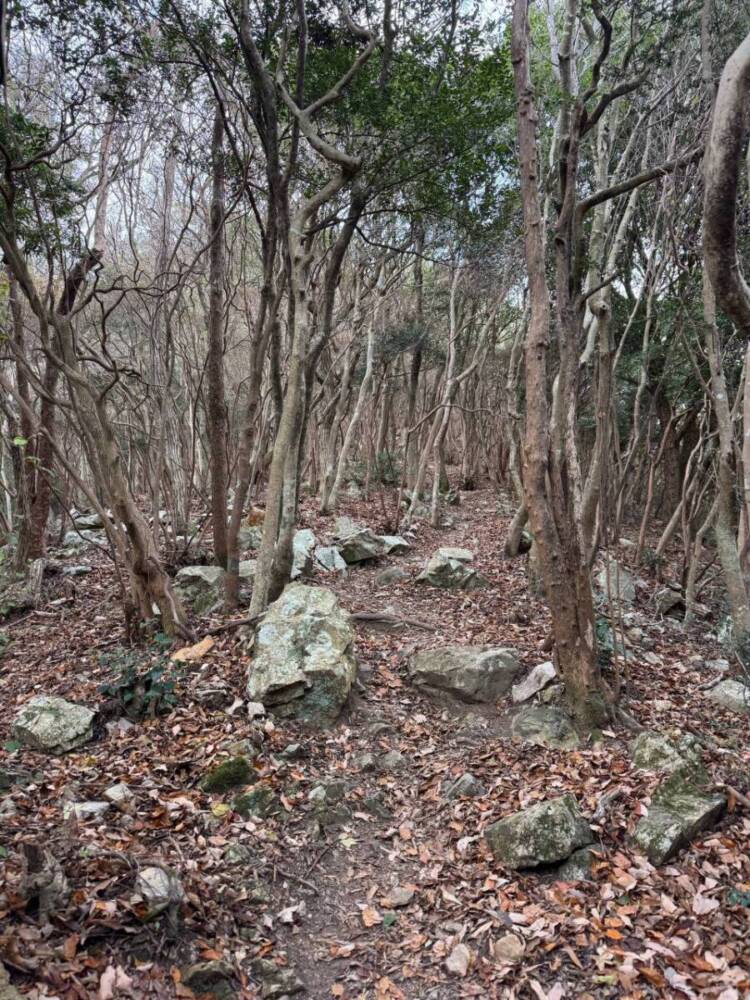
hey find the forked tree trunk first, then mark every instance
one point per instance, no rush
(547, 471)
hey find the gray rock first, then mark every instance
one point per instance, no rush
(83, 539)
(360, 546)
(160, 890)
(545, 725)
(329, 558)
(394, 544)
(200, 586)
(537, 679)
(448, 568)
(391, 575)
(720, 665)
(732, 695)
(303, 545)
(85, 522)
(76, 570)
(669, 601)
(656, 752)
(467, 673)
(260, 801)
(276, 981)
(578, 866)
(543, 834)
(466, 786)
(53, 725)
(391, 761)
(249, 537)
(120, 795)
(679, 812)
(7, 992)
(84, 810)
(303, 666)
(613, 579)
(327, 801)
(344, 526)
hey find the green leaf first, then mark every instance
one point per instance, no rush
(19, 442)
(11, 746)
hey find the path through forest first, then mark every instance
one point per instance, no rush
(397, 895)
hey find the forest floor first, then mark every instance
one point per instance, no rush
(324, 904)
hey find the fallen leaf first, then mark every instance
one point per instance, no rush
(188, 654)
(370, 916)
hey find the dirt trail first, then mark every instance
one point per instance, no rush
(324, 900)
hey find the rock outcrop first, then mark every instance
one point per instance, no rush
(448, 567)
(303, 666)
(543, 834)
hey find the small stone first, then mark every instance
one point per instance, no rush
(76, 570)
(238, 854)
(542, 675)
(540, 835)
(375, 805)
(577, 868)
(53, 725)
(84, 810)
(399, 896)
(232, 773)
(391, 575)
(391, 761)
(256, 710)
(365, 762)
(276, 981)
(508, 949)
(465, 786)
(119, 795)
(160, 890)
(293, 751)
(720, 665)
(260, 802)
(214, 978)
(459, 960)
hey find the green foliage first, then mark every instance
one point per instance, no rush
(230, 773)
(142, 684)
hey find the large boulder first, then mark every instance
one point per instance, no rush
(653, 751)
(466, 673)
(543, 834)
(447, 567)
(53, 725)
(732, 695)
(361, 545)
(303, 666)
(545, 725)
(303, 546)
(615, 581)
(394, 544)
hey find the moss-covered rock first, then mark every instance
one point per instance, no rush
(657, 752)
(259, 802)
(674, 819)
(545, 725)
(214, 978)
(232, 773)
(543, 834)
(53, 725)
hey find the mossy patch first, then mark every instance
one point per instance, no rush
(232, 773)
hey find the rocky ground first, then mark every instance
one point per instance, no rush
(346, 862)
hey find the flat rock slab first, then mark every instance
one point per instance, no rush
(473, 674)
(543, 834)
(53, 725)
(303, 666)
(674, 820)
(545, 725)
(732, 695)
(534, 682)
